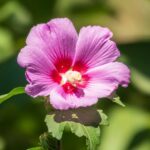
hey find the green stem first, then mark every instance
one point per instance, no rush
(59, 145)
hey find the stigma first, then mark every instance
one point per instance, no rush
(71, 77)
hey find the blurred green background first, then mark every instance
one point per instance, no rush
(22, 118)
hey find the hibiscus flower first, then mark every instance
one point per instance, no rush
(71, 70)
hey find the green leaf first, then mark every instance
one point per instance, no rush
(48, 142)
(6, 44)
(15, 91)
(117, 100)
(92, 134)
(36, 148)
(141, 80)
(2, 143)
(140, 75)
(126, 126)
(104, 118)
(13, 8)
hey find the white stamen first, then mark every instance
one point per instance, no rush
(71, 76)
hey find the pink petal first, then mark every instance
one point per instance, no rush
(32, 56)
(49, 46)
(94, 47)
(39, 70)
(40, 83)
(38, 35)
(102, 82)
(57, 39)
(60, 100)
(36, 90)
(105, 79)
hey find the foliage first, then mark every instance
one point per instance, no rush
(15, 91)
(48, 142)
(92, 134)
(117, 100)
(129, 125)
(21, 119)
(35, 148)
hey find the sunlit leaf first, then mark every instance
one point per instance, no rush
(13, 8)
(36, 148)
(104, 118)
(117, 100)
(6, 44)
(141, 81)
(15, 91)
(92, 134)
(124, 125)
(2, 143)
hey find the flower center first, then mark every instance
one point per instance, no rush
(72, 77)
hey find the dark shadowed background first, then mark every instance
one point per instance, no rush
(22, 118)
